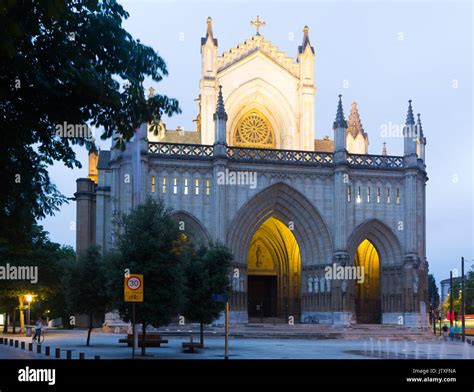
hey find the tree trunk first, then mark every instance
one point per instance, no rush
(201, 325)
(14, 320)
(7, 318)
(143, 338)
(22, 315)
(90, 329)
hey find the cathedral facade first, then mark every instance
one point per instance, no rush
(321, 230)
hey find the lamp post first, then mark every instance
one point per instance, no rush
(29, 299)
(463, 318)
(463, 302)
(451, 314)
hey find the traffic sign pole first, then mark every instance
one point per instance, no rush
(226, 355)
(133, 292)
(134, 340)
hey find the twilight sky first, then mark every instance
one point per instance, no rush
(378, 53)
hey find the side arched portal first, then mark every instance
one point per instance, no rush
(191, 227)
(374, 246)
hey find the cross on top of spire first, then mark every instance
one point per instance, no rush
(258, 23)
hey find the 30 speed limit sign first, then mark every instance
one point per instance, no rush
(133, 288)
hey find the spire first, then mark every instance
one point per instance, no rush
(384, 149)
(305, 42)
(418, 124)
(209, 34)
(410, 119)
(340, 121)
(220, 109)
(355, 125)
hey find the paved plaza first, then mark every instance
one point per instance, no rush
(106, 345)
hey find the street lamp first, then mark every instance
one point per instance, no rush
(29, 299)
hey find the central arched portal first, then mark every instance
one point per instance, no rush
(274, 267)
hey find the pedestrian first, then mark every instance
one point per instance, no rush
(445, 332)
(451, 333)
(38, 327)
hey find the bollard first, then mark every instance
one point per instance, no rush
(97, 357)
(16, 343)
(30, 346)
(81, 356)
(11, 342)
(5, 342)
(47, 350)
(57, 353)
(1, 340)
(22, 345)
(38, 348)
(68, 354)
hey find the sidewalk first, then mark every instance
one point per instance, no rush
(107, 347)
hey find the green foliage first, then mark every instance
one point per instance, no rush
(64, 61)
(469, 288)
(148, 242)
(53, 262)
(456, 301)
(207, 273)
(433, 293)
(86, 284)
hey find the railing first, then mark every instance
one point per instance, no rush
(186, 150)
(286, 156)
(375, 161)
(261, 155)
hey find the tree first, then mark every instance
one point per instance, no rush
(433, 293)
(456, 300)
(207, 273)
(86, 289)
(148, 242)
(469, 288)
(52, 262)
(63, 62)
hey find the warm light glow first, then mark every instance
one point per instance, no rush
(254, 130)
(29, 298)
(368, 293)
(274, 251)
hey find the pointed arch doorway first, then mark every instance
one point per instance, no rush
(274, 267)
(367, 293)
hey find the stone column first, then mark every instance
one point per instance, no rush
(85, 213)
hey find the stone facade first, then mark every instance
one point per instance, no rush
(332, 201)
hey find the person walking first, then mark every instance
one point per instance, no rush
(38, 328)
(445, 332)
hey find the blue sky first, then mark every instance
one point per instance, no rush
(378, 53)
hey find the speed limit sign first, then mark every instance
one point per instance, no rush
(133, 288)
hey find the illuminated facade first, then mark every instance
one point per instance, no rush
(291, 206)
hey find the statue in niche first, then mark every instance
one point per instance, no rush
(310, 284)
(415, 282)
(316, 284)
(258, 257)
(344, 286)
(322, 286)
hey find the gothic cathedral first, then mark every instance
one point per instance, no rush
(321, 230)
